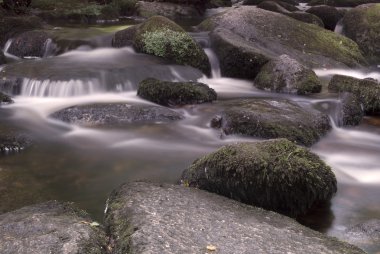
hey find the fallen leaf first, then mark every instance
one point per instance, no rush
(211, 248)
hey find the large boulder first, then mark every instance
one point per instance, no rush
(115, 115)
(366, 90)
(275, 174)
(50, 227)
(162, 37)
(269, 34)
(328, 14)
(175, 93)
(286, 75)
(11, 26)
(351, 110)
(29, 44)
(160, 218)
(365, 235)
(268, 118)
(362, 24)
(170, 10)
(301, 16)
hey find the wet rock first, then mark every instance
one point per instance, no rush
(341, 3)
(365, 235)
(5, 99)
(50, 227)
(367, 91)
(170, 10)
(2, 58)
(29, 44)
(13, 140)
(286, 75)
(257, 2)
(276, 175)
(152, 218)
(219, 3)
(124, 37)
(11, 85)
(328, 14)
(114, 115)
(301, 16)
(11, 26)
(267, 118)
(351, 111)
(175, 93)
(162, 37)
(272, 34)
(362, 24)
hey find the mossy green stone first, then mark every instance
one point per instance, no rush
(276, 175)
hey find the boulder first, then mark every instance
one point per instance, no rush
(362, 24)
(169, 10)
(175, 93)
(2, 58)
(161, 218)
(115, 115)
(301, 16)
(275, 175)
(269, 118)
(269, 34)
(351, 110)
(328, 14)
(341, 3)
(29, 44)
(5, 99)
(286, 75)
(365, 235)
(162, 37)
(366, 90)
(11, 26)
(257, 2)
(50, 227)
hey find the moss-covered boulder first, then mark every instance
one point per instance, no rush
(5, 99)
(169, 10)
(271, 34)
(366, 90)
(351, 110)
(328, 14)
(50, 227)
(275, 174)
(29, 44)
(162, 37)
(299, 15)
(175, 93)
(286, 75)
(11, 26)
(362, 24)
(267, 118)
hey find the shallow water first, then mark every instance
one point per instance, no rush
(83, 164)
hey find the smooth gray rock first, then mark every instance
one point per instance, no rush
(152, 218)
(365, 235)
(115, 115)
(50, 227)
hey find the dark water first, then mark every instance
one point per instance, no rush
(83, 164)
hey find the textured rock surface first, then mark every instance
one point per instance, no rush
(286, 75)
(328, 14)
(50, 227)
(150, 218)
(32, 43)
(365, 235)
(351, 112)
(271, 34)
(5, 99)
(275, 174)
(115, 115)
(175, 93)
(266, 118)
(169, 10)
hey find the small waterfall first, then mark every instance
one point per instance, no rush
(339, 27)
(348, 72)
(50, 48)
(6, 48)
(214, 62)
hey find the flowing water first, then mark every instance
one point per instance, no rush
(84, 164)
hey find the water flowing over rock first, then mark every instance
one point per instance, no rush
(286, 75)
(115, 115)
(362, 24)
(145, 217)
(50, 227)
(266, 118)
(269, 34)
(29, 44)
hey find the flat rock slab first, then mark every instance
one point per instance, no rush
(110, 115)
(50, 227)
(152, 218)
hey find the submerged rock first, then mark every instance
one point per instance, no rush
(275, 174)
(328, 14)
(162, 37)
(362, 24)
(269, 34)
(286, 75)
(29, 44)
(152, 218)
(366, 90)
(266, 118)
(169, 10)
(175, 93)
(365, 235)
(115, 114)
(50, 227)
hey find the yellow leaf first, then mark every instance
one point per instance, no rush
(211, 248)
